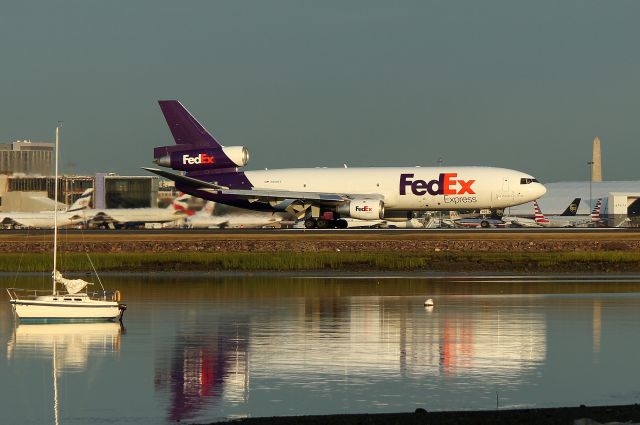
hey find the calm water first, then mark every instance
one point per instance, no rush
(205, 348)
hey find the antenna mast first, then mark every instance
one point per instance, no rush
(55, 212)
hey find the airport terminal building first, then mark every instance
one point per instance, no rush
(27, 157)
(27, 182)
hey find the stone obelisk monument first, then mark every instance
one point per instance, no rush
(596, 162)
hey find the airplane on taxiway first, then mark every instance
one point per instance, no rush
(75, 214)
(206, 218)
(129, 217)
(324, 197)
(567, 221)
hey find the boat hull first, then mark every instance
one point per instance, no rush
(79, 311)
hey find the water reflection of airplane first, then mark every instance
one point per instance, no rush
(321, 337)
(203, 369)
(388, 338)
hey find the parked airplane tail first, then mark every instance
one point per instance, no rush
(572, 209)
(83, 201)
(180, 204)
(595, 214)
(539, 217)
(208, 208)
(196, 149)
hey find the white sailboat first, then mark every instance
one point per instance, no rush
(72, 303)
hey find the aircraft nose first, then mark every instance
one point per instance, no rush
(540, 190)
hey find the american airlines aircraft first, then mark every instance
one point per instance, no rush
(567, 221)
(325, 196)
(75, 214)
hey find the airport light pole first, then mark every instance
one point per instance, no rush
(440, 162)
(590, 164)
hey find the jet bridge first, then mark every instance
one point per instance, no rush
(623, 209)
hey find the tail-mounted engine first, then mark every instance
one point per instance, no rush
(193, 158)
(362, 209)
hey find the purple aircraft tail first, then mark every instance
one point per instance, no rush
(195, 151)
(186, 130)
(204, 163)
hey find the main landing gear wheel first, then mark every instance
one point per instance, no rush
(342, 224)
(323, 224)
(310, 223)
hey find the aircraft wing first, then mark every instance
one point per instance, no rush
(278, 195)
(184, 179)
(8, 221)
(102, 218)
(260, 195)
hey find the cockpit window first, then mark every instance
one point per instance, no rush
(528, 180)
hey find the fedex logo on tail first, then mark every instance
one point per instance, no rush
(202, 158)
(445, 184)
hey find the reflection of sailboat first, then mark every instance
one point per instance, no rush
(73, 342)
(73, 304)
(70, 346)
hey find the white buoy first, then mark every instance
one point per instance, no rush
(428, 303)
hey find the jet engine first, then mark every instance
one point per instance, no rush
(192, 158)
(239, 155)
(362, 209)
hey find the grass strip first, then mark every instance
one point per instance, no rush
(329, 260)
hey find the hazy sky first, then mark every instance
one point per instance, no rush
(519, 84)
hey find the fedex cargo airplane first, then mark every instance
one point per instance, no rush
(324, 197)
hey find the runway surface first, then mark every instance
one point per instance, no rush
(167, 235)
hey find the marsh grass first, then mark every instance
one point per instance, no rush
(291, 261)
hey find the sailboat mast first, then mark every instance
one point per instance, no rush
(55, 214)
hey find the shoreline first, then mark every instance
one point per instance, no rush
(332, 262)
(531, 416)
(262, 251)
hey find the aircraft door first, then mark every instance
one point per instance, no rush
(505, 185)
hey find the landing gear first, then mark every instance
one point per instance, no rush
(324, 224)
(321, 223)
